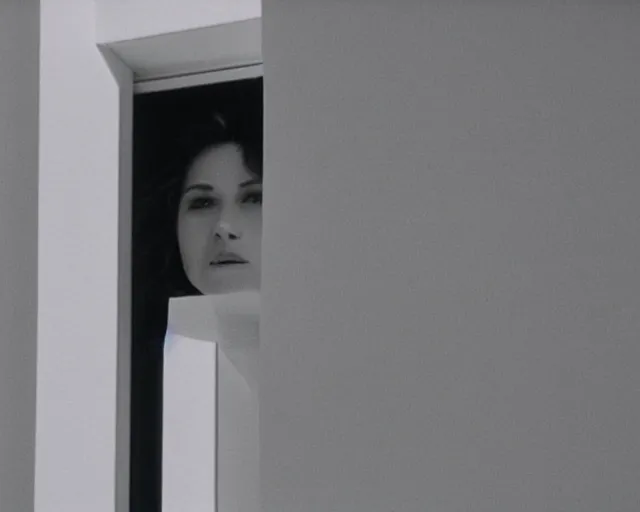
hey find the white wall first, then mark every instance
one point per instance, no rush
(79, 281)
(19, 43)
(451, 312)
(120, 20)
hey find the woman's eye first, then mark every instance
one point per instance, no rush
(252, 198)
(201, 203)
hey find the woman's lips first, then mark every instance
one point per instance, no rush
(228, 258)
(227, 263)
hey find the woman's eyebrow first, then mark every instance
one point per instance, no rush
(252, 181)
(198, 186)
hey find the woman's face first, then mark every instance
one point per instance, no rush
(220, 223)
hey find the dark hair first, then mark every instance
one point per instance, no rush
(176, 127)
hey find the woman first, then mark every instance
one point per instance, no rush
(206, 182)
(198, 172)
(219, 215)
(219, 232)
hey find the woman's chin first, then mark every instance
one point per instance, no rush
(225, 281)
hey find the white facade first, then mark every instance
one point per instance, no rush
(450, 306)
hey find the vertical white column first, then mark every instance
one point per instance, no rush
(189, 424)
(82, 290)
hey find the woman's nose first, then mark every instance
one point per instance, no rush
(227, 232)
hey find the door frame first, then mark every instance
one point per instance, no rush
(219, 53)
